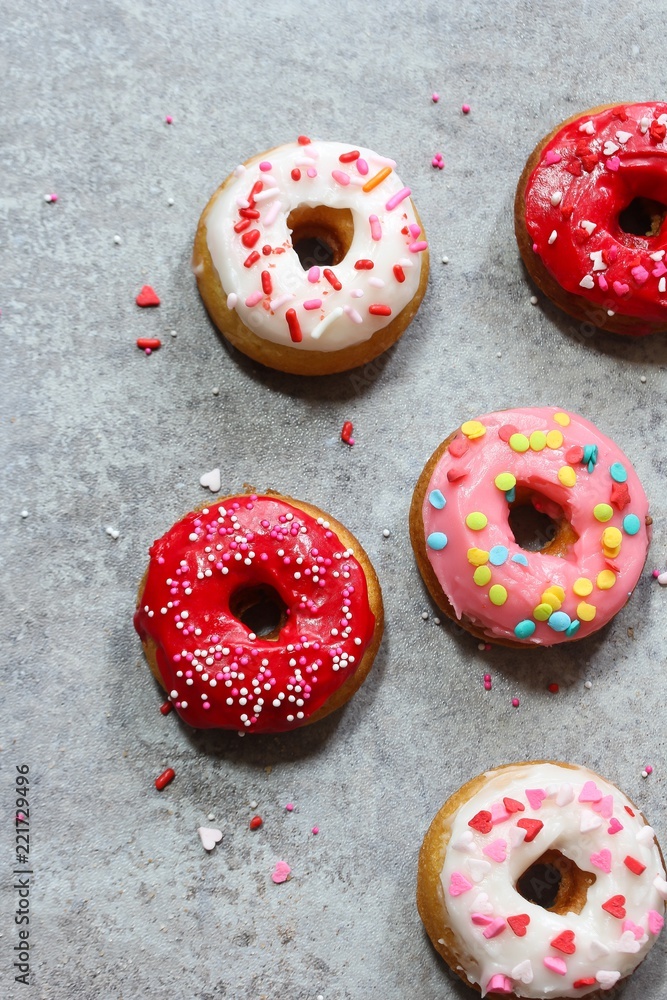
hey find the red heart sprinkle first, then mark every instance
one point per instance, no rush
(513, 806)
(629, 811)
(615, 906)
(458, 447)
(519, 923)
(481, 822)
(636, 867)
(249, 239)
(505, 432)
(565, 943)
(147, 297)
(580, 983)
(532, 828)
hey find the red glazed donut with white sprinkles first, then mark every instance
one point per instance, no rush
(259, 614)
(590, 217)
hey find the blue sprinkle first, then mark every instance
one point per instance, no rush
(510, 496)
(631, 524)
(520, 558)
(436, 499)
(498, 555)
(559, 621)
(618, 473)
(436, 540)
(588, 453)
(524, 629)
(573, 628)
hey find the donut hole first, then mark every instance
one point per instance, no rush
(539, 524)
(321, 236)
(642, 217)
(555, 883)
(261, 609)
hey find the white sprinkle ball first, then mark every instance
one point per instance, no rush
(588, 685)
(117, 240)
(170, 201)
(445, 260)
(211, 816)
(425, 615)
(24, 513)
(386, 533)
(436, 621)
(643, 378)
(533, 300)
(173, 333)
(215, 390)
(481, 645)
(253, 804)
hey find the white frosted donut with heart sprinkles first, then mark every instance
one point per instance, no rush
(590, 556)
(550, 832)
(311, 257)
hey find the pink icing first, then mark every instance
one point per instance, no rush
(465, 477)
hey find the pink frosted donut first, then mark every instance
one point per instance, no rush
(560, 465)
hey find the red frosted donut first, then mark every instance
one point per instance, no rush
(244, 562)
(589, 217)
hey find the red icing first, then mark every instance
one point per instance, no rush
(598, 193)
(306, 662)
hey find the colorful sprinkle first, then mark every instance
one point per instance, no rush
(437, 540)
(505, 481)
(498, 555)
(603, 512)
(498, 595)
(165, 779)
(519, 443)
(436, 499)
(631, 524)
(477, 521)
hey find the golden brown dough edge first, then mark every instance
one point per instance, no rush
(355, 680)
(279, 356)
(575, 305)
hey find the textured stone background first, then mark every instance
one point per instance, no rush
(126, 903)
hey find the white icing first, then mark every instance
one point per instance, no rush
(291, 286)
(607, 947)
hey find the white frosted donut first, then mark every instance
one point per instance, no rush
(322, 308)
(481, 844)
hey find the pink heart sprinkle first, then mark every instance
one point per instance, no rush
(659, 270)
(655, 921)
(613, 163)
(640, 274)
(495, 928)
(499, 813)
(481, 919)
(602, 282)
(281, 872)
(552, 157)
(496, 850)
(590, 792)
(499, 984)
(621, 288)
(605, 806)
(458, 884)
(602, 860)
(535, 796)
(556, 965)
(638, 932)
(614, 826)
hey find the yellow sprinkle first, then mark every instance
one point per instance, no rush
(562, 419)
(481, 576)
(554, 439)
(477, 520)
(542, 612)
(586, 612)
(473, 429)
(538, 441)
(558, 591)
(606, 579)
(548, 597)
(478, 557)
(519, 442)
(505, 481)
(498, 595)
(567, 475)
(612, 538)
(582, 587)
(602, 512)
(380, 176)
(611, 553)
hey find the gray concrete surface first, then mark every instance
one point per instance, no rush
(125, 903)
